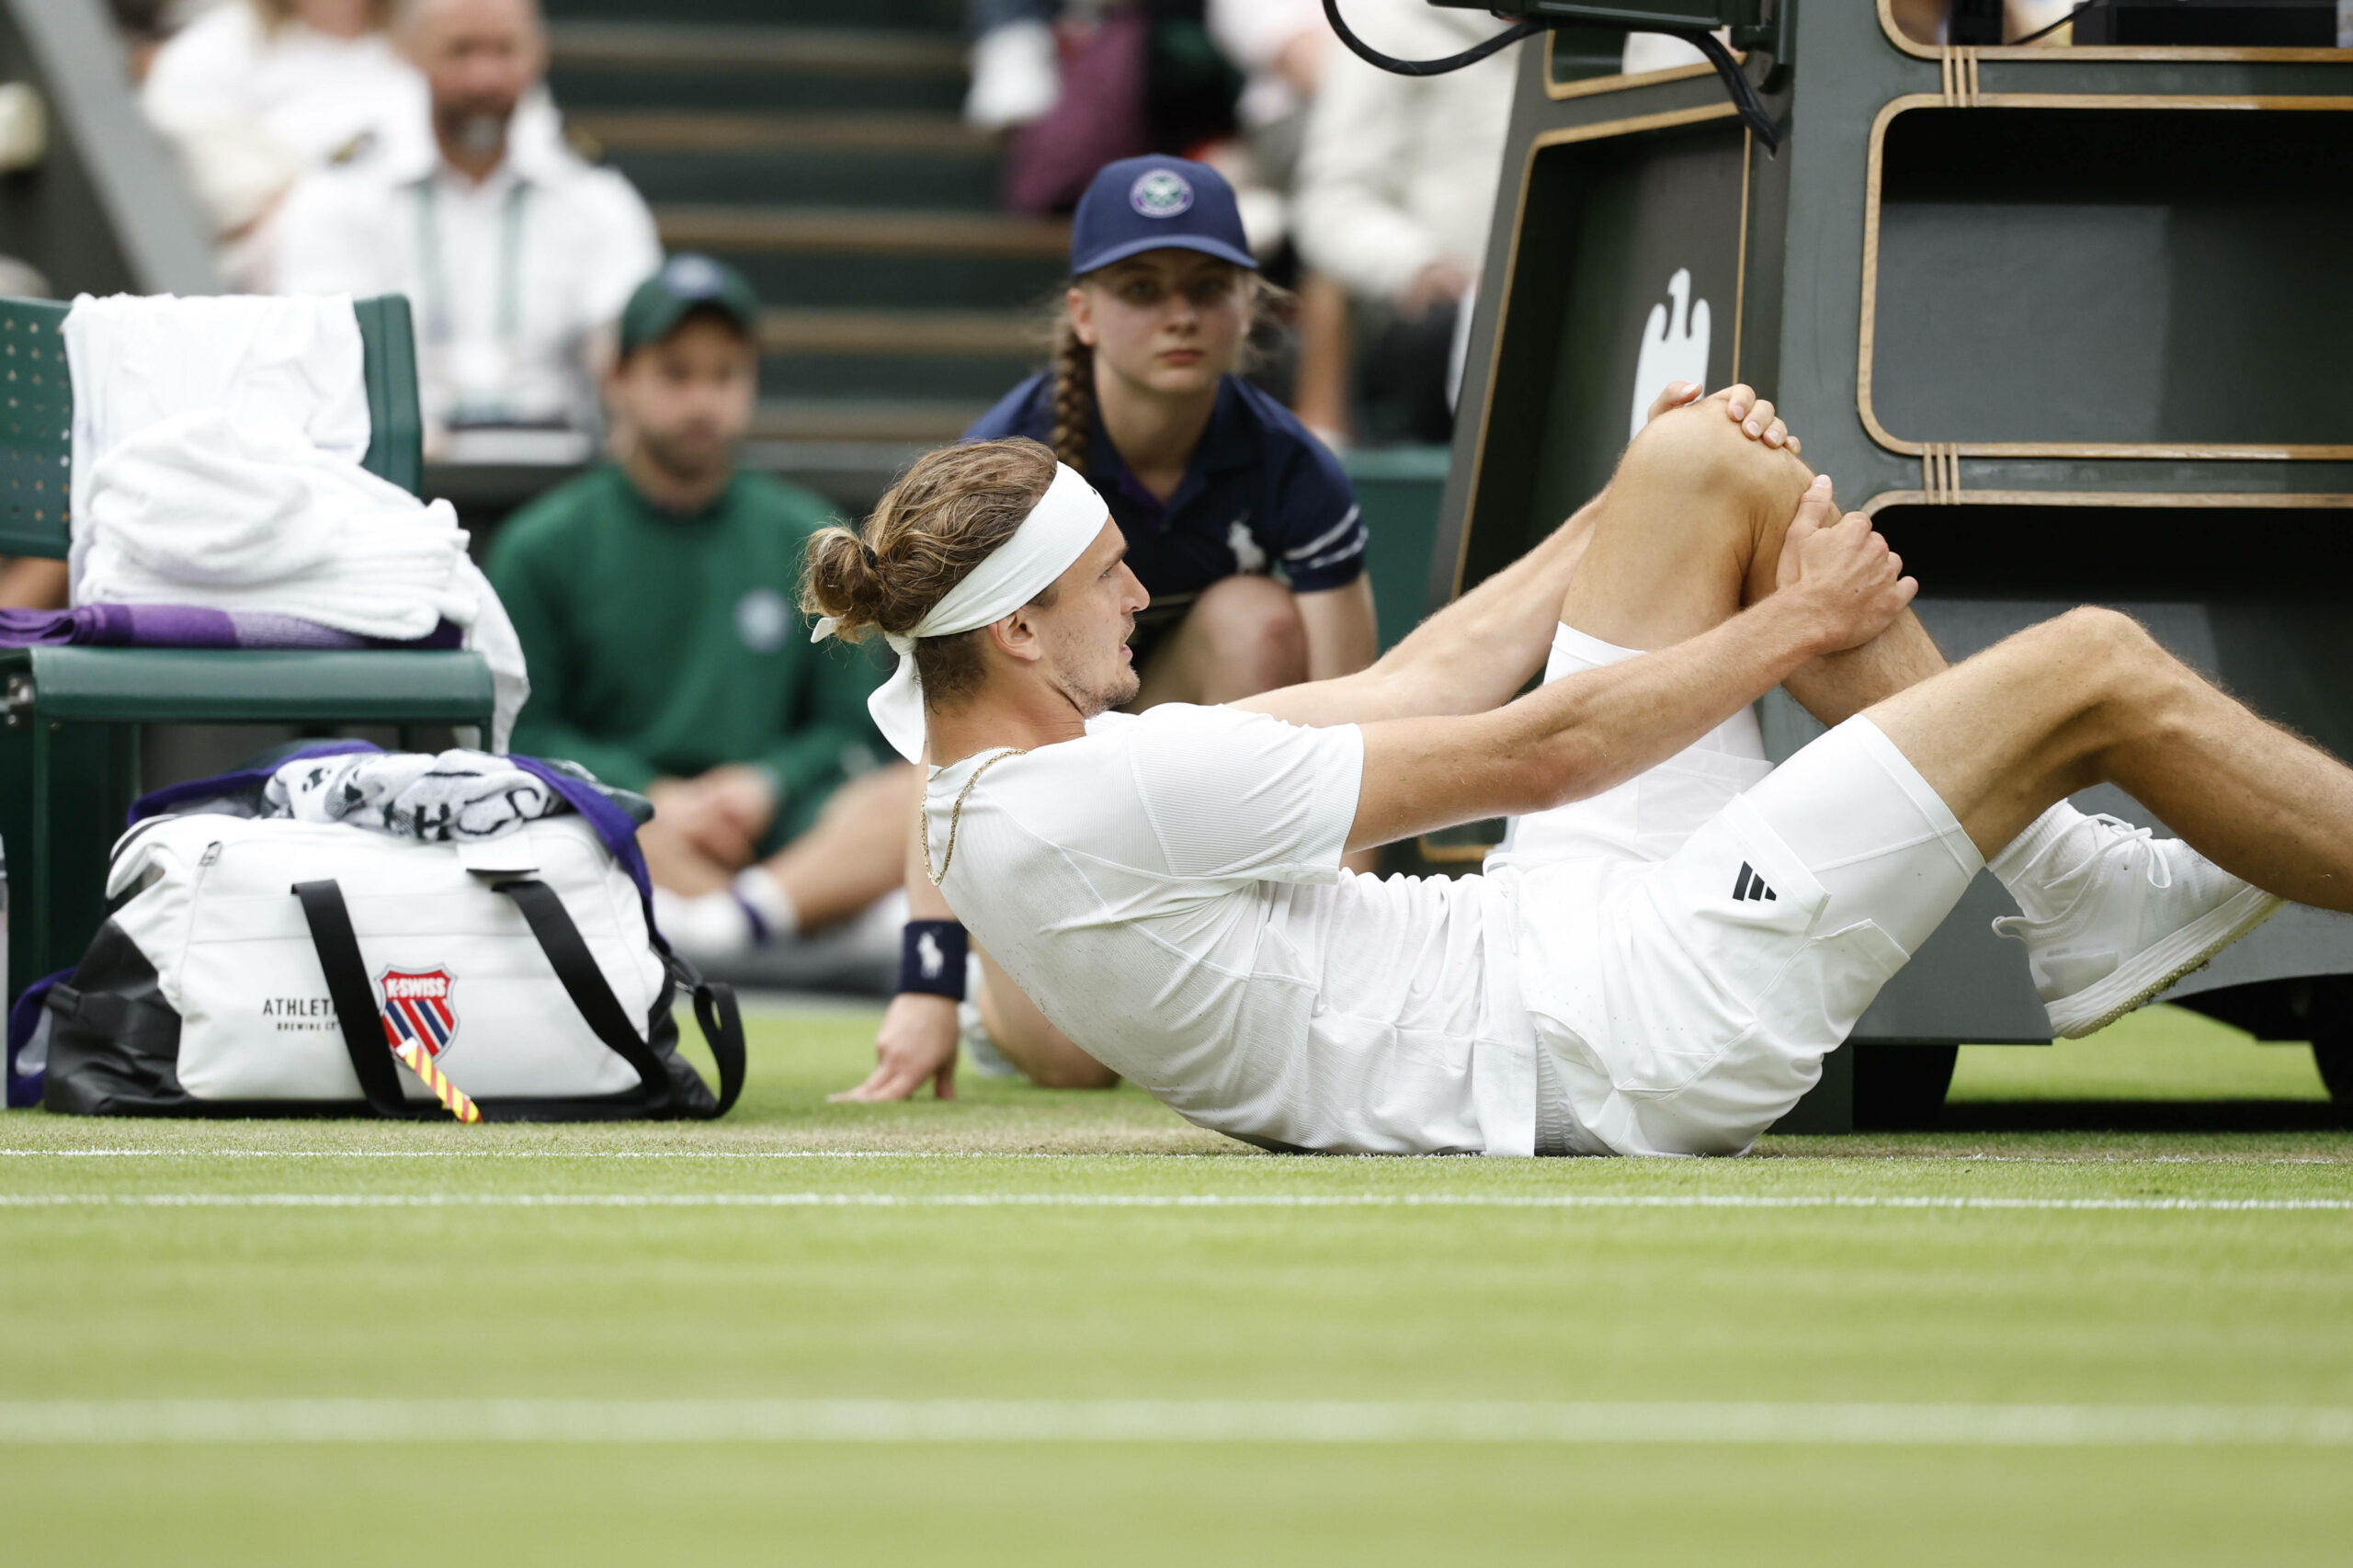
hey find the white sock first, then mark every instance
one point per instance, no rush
(2053, 844)
(713, 925)
(757, 889)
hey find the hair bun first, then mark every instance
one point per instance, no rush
(845, 580)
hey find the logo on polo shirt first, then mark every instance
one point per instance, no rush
(762, 618)
(1247, 556)
(1160, 193)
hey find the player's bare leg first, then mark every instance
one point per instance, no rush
(2090, 698)
(1690, 531)
(1687, 534)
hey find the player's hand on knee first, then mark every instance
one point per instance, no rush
(1675, 395)
(916, 1044)
(1757, 419)
(1842, 572)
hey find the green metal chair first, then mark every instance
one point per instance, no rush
(69, 749)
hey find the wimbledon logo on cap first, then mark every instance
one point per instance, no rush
(1160, 193)
(691, 275)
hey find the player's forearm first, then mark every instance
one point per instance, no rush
(1474, 653)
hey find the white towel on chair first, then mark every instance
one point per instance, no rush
(216, 463)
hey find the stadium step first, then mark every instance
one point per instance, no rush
(832, 160)
(818, 146)
(595, 66)
(971, 355)
(905, 421)
(864, 258)
(938, 16)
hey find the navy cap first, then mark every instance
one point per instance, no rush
(1141, 204)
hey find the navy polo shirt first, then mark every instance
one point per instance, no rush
(1261, 495)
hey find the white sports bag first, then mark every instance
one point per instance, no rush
(272, 967)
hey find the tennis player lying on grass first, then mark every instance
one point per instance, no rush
(1662, 977)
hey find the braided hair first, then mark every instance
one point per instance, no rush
(1074, 395)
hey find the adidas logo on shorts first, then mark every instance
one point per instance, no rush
(1751, 886)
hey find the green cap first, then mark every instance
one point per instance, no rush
(687, 281)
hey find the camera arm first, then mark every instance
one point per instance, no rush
(1765, 27)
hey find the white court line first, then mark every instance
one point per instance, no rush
(1898, 1158)
(227, 1421)
(544, 1154)
(1145, 1200)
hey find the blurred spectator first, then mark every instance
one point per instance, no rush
(516, 255)
(654, 599)
(1931, 21)
(1396, 185)
(1136, 76)
(1282, 47)
(1015, 62)
(140, 24)
(255, 94)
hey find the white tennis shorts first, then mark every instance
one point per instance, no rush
(1692, 944)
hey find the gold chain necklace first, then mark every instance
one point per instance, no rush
(955, 814)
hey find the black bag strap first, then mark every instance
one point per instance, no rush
(355, 999)
(721, 1023)
(576, 967)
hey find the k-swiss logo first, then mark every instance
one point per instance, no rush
(416, 1008)
(1161, 193)
(1750, 886)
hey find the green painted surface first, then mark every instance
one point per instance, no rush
(1892, 1306)
(1399, 488)
(216, 686)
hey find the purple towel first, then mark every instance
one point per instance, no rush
(188, 626)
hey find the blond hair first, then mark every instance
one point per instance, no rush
(943, 518)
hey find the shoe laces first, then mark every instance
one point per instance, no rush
(2159, 869)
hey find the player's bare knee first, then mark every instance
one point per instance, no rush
(1253, 630)
(2108, 639)
(1731, 479)
(2126, 663)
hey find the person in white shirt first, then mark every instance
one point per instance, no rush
(517, 256)
(1396, 183)
(1167, 886)
(255, 94)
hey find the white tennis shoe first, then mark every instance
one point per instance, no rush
(2108, 933)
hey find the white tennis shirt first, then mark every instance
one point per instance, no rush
(1168, 890)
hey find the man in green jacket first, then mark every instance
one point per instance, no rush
(654, 599)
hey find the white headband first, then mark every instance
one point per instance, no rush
(1067, 519)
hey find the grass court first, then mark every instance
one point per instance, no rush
(1047, 1329)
